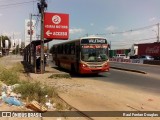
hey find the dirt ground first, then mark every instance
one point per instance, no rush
(90, 95)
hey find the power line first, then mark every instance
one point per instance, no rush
(5, 0)
(138, 40)
(15, 4)
(131, 30)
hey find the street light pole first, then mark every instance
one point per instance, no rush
(41, 7)
(158, 33)
(42, 36)
(30, 51)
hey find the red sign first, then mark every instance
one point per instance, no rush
(152, 49)
(56, 26)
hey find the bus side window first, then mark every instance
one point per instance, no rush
(58, 49)
(65, 49)
(72, 49)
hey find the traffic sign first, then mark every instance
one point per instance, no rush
(56, 26)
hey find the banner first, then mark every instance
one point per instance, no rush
(28, 31)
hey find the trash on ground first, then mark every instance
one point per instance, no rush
(11, 99)
(49, 104)
(34, 105)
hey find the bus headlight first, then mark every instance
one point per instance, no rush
(84, 65)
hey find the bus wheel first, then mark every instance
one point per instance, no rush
(59, 64)
(73, 70)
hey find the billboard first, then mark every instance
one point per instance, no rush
(152, 49)
(28, 31)
(56, 26)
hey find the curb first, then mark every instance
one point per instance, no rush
(130, 70)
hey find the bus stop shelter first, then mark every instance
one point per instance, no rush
(30, 54)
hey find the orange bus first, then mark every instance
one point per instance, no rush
(86, 55)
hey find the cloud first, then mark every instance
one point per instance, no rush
(152, 19)
(11, 33)
(1, 14)
(91, 24)
(111, 28)
(76, 30)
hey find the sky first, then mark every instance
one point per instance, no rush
(121, 22)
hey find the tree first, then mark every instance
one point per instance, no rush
(22, 45)
(2, 40)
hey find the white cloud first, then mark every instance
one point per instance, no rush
(76, 30)
(1, 14)
(11, 33)
(91, 24)
(111, 28)
(152, 19)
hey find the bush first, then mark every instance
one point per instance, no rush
(9, 77)
(18, 67)
(35, 91)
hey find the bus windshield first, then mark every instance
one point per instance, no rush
(93, 54)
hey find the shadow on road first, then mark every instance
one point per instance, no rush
(76, 75)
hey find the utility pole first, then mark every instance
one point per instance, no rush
(1, 44)
(158, 33)
(41, 6)
(30, 51)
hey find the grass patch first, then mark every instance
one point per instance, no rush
(18, 67)
(35, 91)
(29, 90)
(56, 76)
(9, 77)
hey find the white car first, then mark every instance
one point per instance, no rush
(146, 57)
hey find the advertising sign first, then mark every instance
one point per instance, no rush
(28, 32)
(152, 49)
(56, 26)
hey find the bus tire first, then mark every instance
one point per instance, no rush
(73, 70)
(58, 64)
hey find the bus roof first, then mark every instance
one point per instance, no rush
(89, 37)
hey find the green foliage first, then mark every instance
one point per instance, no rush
(9, 77)
(35, 91)
(57, 76)
(18, 67)
(3, 38)
(16, 50)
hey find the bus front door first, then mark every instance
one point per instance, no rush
(77, 57)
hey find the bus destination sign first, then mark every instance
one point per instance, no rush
(95, 46)
(93, 41)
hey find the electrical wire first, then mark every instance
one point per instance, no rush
(15, 4)
(130, 43)
(131, 30)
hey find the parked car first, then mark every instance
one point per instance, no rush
(146, 57)
(120, 56)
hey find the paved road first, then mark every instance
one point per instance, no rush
(149, 82)
(115, 91)
(146, 83)
(153, 69)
